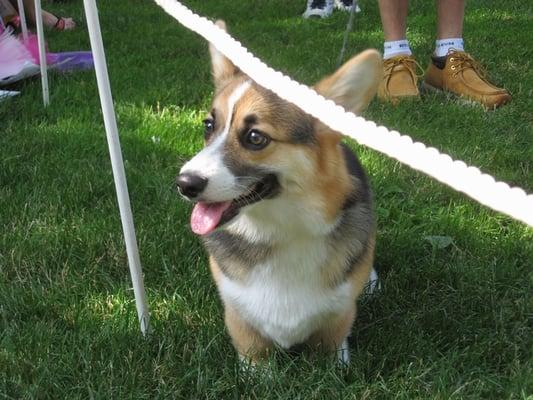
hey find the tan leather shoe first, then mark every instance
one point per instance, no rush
(399, 79)
(464, 77)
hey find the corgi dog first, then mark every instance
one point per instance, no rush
(284, 210)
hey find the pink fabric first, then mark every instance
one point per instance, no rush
(13, 55)
(33, 47)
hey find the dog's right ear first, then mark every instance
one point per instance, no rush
(222, 68)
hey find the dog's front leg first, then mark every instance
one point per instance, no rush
(250, 344)
(333, 337)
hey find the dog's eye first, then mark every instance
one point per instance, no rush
(209, 126)
(255, 140)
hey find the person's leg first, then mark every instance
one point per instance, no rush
(450, 16)
(58, 23)
(49, 19)
(29, 10)
(393, 18)
(399, 77)
(453, 70)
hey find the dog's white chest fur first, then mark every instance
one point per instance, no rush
(283, 298)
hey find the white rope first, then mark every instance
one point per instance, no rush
(499, 196)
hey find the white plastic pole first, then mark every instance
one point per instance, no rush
(117, 164)
(42, 52)
(22, 15)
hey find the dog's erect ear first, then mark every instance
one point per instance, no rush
(355, 83)
(222, 68)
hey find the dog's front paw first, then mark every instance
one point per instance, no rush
(248, 366)
(373, 285)
(343, 354)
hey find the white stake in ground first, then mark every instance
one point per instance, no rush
(42, 51)
(23, 23)
(117, 164)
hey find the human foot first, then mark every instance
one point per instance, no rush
(58, 23)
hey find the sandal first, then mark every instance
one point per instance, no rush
(61, 24)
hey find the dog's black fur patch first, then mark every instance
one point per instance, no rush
(224, 246)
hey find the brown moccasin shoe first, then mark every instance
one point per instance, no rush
(464, 77)
(399, 79)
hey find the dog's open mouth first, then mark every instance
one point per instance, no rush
(206, 217)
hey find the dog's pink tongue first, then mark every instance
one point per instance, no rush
(206, 216)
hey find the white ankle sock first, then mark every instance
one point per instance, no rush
(395, 48)
(442, 46)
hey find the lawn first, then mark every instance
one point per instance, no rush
(454, 317)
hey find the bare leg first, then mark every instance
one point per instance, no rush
(29, 9)
(450, 16)
(49, 19)
(394, 18)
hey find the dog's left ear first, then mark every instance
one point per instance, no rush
(354, 84)
(223, 69)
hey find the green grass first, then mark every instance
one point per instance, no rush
(450, 323)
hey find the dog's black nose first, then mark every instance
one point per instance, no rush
(191, 185)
